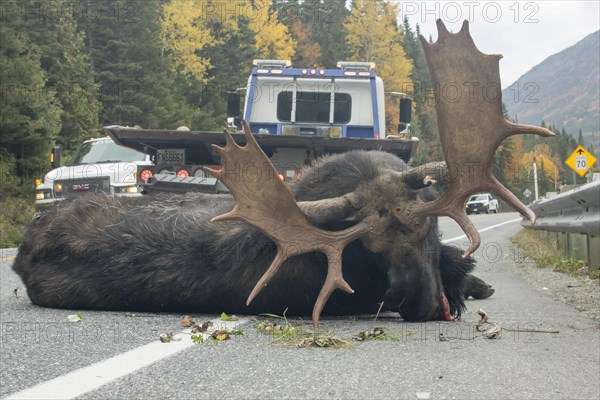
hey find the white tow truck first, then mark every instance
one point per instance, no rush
(98, 166)
(296, 115)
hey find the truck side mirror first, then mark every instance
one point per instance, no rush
(233, 104)
(405, 114)
(405, 110)
(55, 157)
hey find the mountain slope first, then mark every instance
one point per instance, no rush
(564, 89)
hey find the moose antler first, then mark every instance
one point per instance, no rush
(263, 201)
(468, 98)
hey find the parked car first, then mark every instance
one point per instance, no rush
(483, 202)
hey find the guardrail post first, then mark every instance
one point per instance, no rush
(578, 246)
(563, 243)
(593, 244)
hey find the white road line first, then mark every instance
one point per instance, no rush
(86, 379)
(483, 230)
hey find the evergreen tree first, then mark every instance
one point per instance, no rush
(580, 141)
(430, 146)
(68, 68)
(136, 87)
(420, 72)
(424, 123)
(231, 65)
(326, 21)
(30, 115)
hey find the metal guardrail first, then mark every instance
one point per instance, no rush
(572, 222)
(575, 211)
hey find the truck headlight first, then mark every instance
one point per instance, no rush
(126, 189)
(43, 194)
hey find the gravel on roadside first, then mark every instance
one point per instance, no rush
(579, 291)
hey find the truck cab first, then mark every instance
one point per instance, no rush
(339, 103)
(98, 166)
(343, 103)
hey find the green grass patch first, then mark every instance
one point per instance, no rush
(15, 213)
(534, 245)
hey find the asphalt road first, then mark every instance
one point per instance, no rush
(98, 356)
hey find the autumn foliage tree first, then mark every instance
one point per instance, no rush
(186, 34)
(272, 38)
(373, 35)
(308, 52)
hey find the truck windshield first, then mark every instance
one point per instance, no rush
(104, 151)
(481, 197)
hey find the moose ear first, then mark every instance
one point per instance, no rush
(424, 175)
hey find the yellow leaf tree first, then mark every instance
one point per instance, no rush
(186, 33)
(373, 35)
(272, 39)
(511, 150)
(546, 162)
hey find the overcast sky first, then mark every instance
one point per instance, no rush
(524, 32)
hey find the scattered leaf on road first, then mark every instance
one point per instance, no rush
(220, 335)
(372, 334)
(225, 317)
(75, 317)
(323, 341)
(186, 322)
(166, 337)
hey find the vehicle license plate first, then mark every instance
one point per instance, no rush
(170, 156)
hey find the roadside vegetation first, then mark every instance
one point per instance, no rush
(535, 246)
(16, 209)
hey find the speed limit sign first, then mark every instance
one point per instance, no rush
(581, 160)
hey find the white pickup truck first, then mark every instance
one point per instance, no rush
(98, 166)
(483, 202)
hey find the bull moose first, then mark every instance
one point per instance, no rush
(275, 246)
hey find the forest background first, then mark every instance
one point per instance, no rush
(68, 67)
